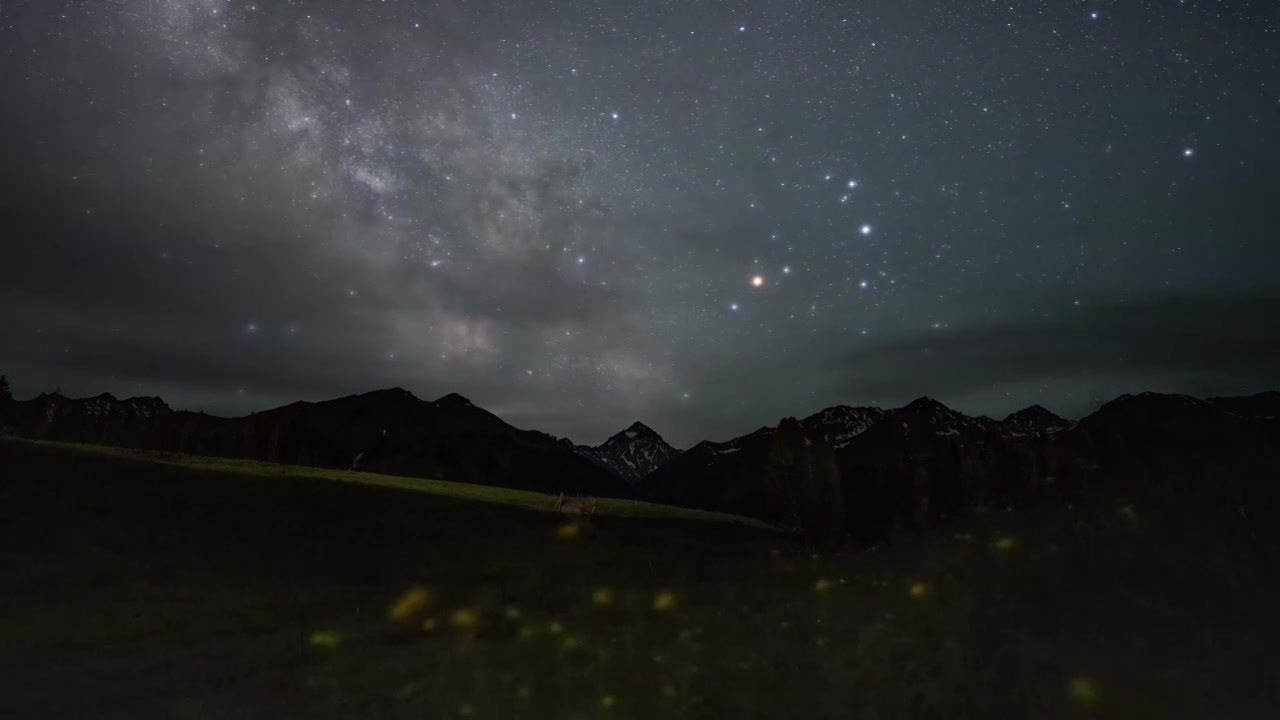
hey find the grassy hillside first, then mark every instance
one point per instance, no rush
(147, 586)
(457, 490)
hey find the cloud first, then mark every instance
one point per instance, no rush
(1235, 336)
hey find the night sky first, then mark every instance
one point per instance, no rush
(702, 215)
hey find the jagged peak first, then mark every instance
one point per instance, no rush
(396, 391)
(1153, 397)
(453, 400)
(635, 431)
(844, 410)
(1033, 411)
(925, 403)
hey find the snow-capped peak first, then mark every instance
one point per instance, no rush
(1034, 420)
(632, 453)
(841, 423)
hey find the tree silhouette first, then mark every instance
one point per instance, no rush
(804, 484)
(4, 389)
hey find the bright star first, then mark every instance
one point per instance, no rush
(1188, 152)
(862, 284)
(757, 281)
(853, 184)
(865, 229)
(786, 269)
(613, 115)
(733, 307)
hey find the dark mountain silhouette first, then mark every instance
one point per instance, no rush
(387, 431)
(865, 471)
(920, 463)
(632, 453)
(1262, 405)
(729, 477)
(839, 424)
(1034, 420)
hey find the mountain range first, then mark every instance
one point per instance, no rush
(864, 470)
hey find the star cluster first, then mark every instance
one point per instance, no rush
(705, 215)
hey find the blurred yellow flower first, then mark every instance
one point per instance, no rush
(325, 639)
(822, 585)
(664, 601)
(603, 597)
(407, 606)
(1085, 690)
(919, 591)
(555, 628)
(1006, 544)
(607, 702)
(568, 531)
(464, 619)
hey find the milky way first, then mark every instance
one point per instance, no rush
(701, 215)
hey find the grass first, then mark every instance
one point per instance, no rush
(462, 491)
(166, 587)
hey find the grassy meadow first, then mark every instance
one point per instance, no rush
(137, 585)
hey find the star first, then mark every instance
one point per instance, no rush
(734, 306)
(1188, 152)
(786, 269)
(757, 281)
(865, 229)
(853, 184)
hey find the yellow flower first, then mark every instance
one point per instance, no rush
(607, 702)
(555, 628)
(568, 531)
(919, 591)
(410, 604)
(602, 597)
(464, 619)
(325, 639)
(1085, 690)
(664, 601)
(1006, 544)
(822, 585)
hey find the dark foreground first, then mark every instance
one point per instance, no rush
(132, 589)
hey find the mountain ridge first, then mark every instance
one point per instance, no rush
(896, 466)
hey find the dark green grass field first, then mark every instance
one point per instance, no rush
(136, 585)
